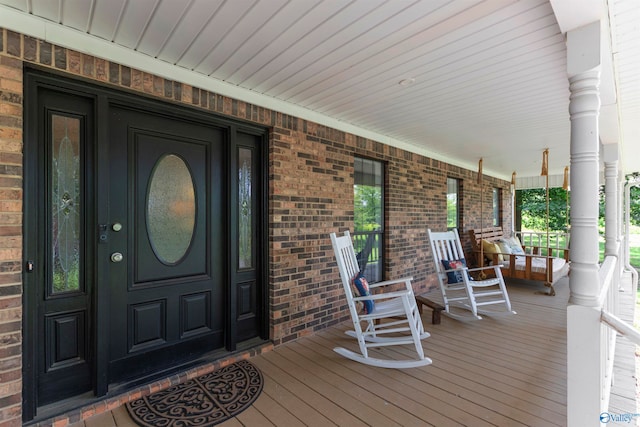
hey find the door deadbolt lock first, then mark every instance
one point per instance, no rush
(116, 257)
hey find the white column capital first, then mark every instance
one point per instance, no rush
(583, 49)
(610, 152)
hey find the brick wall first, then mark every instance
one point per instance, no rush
(10, 238)
(310, 195)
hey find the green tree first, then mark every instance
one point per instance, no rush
(634, 200)
(534, 209)
(367, 207)
(634, 205)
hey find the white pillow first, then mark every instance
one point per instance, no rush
(504, 247)
(514, 245)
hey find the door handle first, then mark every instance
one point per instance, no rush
(116, 257)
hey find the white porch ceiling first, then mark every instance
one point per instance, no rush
(488, 78)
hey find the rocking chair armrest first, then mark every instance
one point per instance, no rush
(391, 282)
(387, 295)
(457, 269)
(487, 267)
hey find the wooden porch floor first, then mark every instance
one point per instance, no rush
(501, 371)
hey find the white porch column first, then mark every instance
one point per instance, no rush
(583, 314)
(583, 63)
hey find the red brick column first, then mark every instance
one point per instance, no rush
(10, 238)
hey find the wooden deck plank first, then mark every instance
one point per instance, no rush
(335, 413)
(501, 352)
(538, 408)
(231, 422)
(439, 404)
(483, 396)
(104, 419)
(491, 349)
(487, 359)
(351, 388)
(377, 381)
(252, 417)
(275, 412)
(509, 379)
(505, 383)
(402, 411)
(318, 382)
(122, 418)
(293, 404)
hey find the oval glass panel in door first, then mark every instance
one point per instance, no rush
(171, 209)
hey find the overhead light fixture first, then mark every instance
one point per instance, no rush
(407, 82)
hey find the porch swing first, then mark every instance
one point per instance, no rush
(491, 246)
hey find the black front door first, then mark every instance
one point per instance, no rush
(166, 265)
(144, 235)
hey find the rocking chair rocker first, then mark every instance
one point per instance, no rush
(403, 325)
(458, 288)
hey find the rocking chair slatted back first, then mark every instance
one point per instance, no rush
(464, 292)
(347, 266)
(448, 249)
(394, 319)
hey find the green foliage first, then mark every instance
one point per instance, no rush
(634, 205)
(634, 200)
(367, 207)
(634, 256)
(452, 210)
(534, 209)
(66, 281)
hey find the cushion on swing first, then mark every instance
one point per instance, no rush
(514, 244)
(491, 248)
(361, 284)
(504, 247)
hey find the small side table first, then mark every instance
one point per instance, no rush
(437, 308)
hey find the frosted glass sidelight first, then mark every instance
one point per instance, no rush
(171, 209)
(245, 219)
(65, 215)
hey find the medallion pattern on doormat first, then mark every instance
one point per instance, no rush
(204, 401)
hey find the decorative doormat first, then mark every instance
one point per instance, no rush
(204, 401)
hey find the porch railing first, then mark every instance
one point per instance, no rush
(368, 247)
(558, 240)
(590, 400)
(608, 301)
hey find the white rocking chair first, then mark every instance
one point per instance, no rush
(457, 286)
(404, 326)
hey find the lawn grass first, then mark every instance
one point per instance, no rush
(634, 256)
(634, 247)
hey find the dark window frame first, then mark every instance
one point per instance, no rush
(369, 241)
(496, 206)
(451, 183)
